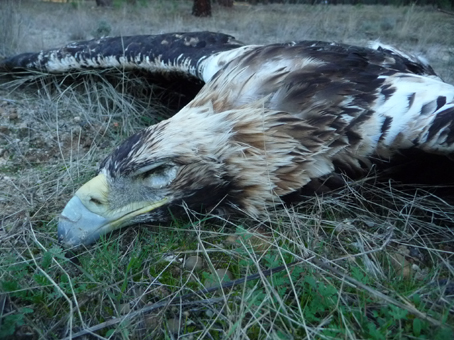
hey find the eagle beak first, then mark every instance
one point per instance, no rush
(87, 216)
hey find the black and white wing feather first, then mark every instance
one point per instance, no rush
(185, 53)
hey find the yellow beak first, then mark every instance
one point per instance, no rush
(87, 216)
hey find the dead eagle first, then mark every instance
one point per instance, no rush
(269, 120)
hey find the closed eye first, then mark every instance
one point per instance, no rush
(148, 169)
(95, 201)
(160, 176)
(155, 171)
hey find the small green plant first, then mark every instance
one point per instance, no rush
(103, 29)
(75, 4)
(12, 321)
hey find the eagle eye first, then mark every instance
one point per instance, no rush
(95, 201)
(160, 176)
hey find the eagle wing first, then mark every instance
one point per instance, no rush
(184, 53)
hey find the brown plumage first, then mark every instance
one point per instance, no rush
(269, 121)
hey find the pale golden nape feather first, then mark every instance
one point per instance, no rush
(269, 121)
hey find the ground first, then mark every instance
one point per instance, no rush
(373, 261)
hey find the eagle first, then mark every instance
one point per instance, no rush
(269, 121)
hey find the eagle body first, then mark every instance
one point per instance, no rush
(269, 121)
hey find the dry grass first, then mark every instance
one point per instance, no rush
(373, 261)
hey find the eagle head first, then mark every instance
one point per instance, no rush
(148, 175)
(204, 161)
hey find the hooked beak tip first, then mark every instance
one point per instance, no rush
(79, 226)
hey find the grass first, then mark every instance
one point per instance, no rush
(373, 261)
